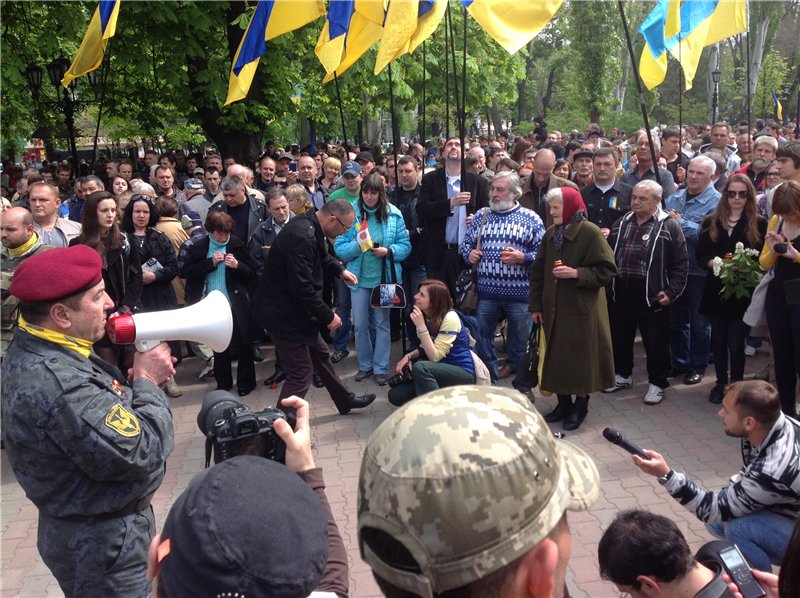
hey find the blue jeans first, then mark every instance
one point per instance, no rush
(343, 307)
(373, 333)
(690, 331)
(762, 537)
(518, 328)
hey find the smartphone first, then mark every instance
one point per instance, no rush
(742, 576)
(780, 248)
(293, 166)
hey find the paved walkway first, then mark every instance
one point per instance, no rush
(685, 428)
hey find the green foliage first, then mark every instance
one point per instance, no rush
(775, 74)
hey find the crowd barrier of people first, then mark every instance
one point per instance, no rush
(577, 241)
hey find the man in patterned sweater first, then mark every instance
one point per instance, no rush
(758, 508)
(509, 239)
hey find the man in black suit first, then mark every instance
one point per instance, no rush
(445, 208)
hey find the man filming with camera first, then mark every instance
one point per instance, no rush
(86, 443)
(250, 526)
(756, 510)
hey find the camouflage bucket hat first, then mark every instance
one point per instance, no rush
(467, 479)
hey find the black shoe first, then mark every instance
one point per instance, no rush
(675, 372)
(358, 402)
(717, 394)
(317, 382)
(339, 354)
(561, 411)
(577, 414)
(258, 356)
(243, 392)
(693, 378)
(276, 378)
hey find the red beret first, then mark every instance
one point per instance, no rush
(56, 273)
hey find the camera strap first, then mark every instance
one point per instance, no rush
(209, 446)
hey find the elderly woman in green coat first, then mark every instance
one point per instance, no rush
(568, 277)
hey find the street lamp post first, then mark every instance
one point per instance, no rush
(715, 74)
(66, 100)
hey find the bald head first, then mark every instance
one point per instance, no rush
(16, 227)
(546, 159)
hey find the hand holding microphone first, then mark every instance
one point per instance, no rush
(648, 461)
(615, 437)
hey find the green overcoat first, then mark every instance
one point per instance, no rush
(579, 358)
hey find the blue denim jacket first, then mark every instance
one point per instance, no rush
(692, 214)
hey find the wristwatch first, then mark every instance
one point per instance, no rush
(663, 479)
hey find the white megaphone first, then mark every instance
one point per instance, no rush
(209, 322)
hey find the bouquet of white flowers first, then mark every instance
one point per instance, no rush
(739, 272)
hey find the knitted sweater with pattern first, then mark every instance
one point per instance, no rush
(519, 228)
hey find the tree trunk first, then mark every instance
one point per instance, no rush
(522, 104)
(497, 117)
(548, 94)
(619, 92)
(756, 59)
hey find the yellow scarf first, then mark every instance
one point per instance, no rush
(16, 252)
(80, 346)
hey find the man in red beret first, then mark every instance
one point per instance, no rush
(87, 444)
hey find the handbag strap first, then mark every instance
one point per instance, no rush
(392, 278)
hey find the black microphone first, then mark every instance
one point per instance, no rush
(615, 437)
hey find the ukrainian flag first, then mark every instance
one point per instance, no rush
(407, 25)
(271, 19)
(101, 28)
(705, 23)
(778, 106)
(512, 23)
(662, 23)
(351, 28)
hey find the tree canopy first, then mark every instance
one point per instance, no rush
(169, 63)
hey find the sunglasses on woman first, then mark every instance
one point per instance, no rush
(734, 194)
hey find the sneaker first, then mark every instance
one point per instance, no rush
(654, 395)
(749, 351)
(338, 355)
(362, 375)
(172, 390)
(620, 382)
(208, 370)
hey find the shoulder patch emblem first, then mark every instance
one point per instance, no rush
(123, 422)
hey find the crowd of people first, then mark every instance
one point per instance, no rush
(577, 240)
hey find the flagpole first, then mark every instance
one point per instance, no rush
(103, 76)
(464, 87)
(446, 77)
(637, 77)
(424, 81)
(449, 25)
(749, 97)
(341, 109)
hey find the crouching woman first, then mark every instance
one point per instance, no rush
(443, 357)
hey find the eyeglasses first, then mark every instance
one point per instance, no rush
(345, 228)
(773, 174)
(740, 194)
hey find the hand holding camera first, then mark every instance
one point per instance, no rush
(299, 457)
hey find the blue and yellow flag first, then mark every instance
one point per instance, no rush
(351, 28)
(512, 23)
(662, 23)
(271, 19)
(101, 28)
(778, 106)
(408, 23)
(705, 23)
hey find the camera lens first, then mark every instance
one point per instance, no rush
(214, 405)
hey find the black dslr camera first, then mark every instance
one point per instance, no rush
(232, 429)
(405, 375)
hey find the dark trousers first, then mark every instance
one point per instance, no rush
(784, 331)
(100, 558)
(246, 370)
(429, 376)
(448, 269)
(300, 361)
(630, 311)
(728, 335)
